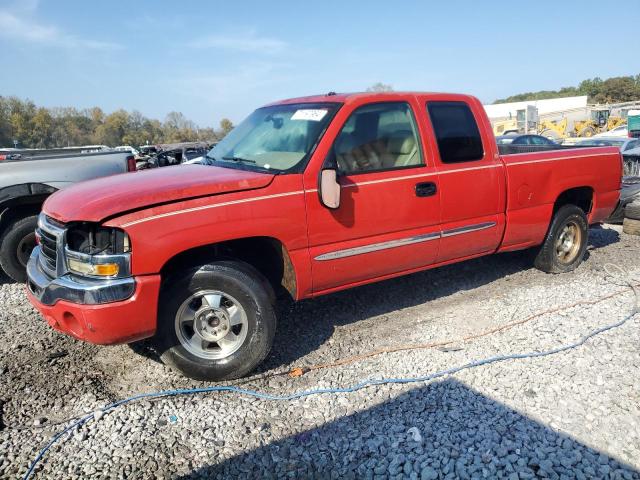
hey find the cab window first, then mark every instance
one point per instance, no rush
(377, 137)
(456, 132)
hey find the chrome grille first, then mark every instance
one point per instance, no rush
(49, 231)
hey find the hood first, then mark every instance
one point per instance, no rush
(98, 199)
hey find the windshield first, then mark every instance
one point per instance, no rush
(276, 139)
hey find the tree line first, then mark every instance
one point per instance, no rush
(610, 90)
(39, 127)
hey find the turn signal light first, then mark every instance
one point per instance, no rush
(103, 269)
(107, 269)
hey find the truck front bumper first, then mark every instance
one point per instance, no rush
(97, 311)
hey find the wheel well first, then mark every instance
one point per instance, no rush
(266, 254)
(8, 214)
(581, 197)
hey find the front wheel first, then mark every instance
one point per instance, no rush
(587, 132)
(566, 241)
(16, 245)
(216, 322)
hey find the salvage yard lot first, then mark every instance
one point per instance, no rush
(575, 413)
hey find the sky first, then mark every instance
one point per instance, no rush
(211, 59)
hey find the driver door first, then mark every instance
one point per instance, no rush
(388, 218)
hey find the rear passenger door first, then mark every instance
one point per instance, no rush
(471, 182)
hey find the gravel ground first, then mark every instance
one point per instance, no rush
(575, 414)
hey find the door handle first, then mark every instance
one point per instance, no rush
(426, 189)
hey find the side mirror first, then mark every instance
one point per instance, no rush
(330, 188)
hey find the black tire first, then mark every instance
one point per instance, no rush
(16, 245)
(631, 226)
(632, 210)
(548, 258)
(587, 132)
(242, 284)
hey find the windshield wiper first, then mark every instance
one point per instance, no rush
(239, 159)
(208, 157)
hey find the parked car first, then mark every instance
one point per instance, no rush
(622, 143)
(147, 150)
(305, 197)
(92, 148)
(174, 154)
(628, 193)
(620, 131)
(524, 139)
(127, 148)
(27, 181)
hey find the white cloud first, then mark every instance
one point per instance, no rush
(248, 42)
(21, 29)
(230, 83)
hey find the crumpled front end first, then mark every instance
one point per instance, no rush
(96, 300)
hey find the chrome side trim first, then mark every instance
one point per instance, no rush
(467, 229)
(374, 247)
(206, 207)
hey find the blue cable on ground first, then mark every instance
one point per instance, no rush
(320, 391)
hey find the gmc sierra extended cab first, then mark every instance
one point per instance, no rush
(306, 197)
(27, 179)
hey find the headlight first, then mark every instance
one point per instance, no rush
(87, 267)
(96, 251)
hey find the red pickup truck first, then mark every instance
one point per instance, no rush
(306, 196)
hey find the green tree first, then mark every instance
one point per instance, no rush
(151, 132)
(380, 87)
(20, 119)
(39, 127)
(42, 131)
(225, 127)
(610, 90)
(114, 128)
(5, 126)
(178, 129)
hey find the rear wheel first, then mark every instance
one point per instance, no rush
(216, 322)
(16, 244)
(566, 241)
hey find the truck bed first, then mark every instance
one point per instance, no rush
(58, 171)
(535, 178)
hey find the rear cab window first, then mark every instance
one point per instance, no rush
(456, 131)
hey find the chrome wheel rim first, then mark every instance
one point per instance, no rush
(211, 324)
(568, 243)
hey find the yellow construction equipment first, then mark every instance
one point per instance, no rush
(601, 121)
(503, 127)
(525, 121)
(555, 129)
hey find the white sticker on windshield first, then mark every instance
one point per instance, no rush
(309, 114)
